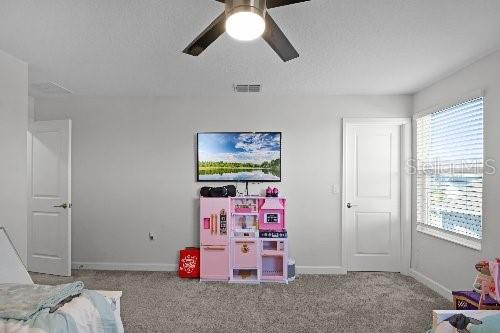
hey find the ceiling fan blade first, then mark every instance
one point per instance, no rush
(280, 3)
(223, 1)
(278, 41)
(207, 37)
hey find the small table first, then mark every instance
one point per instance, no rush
(469, 300)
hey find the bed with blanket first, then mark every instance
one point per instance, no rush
(31, 308)
(467, 321)
(26, 307)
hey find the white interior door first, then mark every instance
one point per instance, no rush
(372, 195)
(49, 197)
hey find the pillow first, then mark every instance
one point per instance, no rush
(491, 324)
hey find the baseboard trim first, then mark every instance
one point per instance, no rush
(334, 270)
(157, 267)
(427, 281)
(124, 266)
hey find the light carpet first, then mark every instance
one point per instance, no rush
(356, 302)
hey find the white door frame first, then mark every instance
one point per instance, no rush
(406, 155)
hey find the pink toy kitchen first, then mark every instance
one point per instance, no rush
(243, 239)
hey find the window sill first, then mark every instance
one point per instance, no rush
(451, 237)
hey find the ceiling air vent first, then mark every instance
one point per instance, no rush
(47, 89)
(248, 88)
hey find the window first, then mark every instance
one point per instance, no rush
(450, 173)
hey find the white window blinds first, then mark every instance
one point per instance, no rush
(450, 169)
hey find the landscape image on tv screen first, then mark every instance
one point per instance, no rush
(241, 157)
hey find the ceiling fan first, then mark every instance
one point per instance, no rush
(247, 20)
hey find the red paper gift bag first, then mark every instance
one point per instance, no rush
(189, 263)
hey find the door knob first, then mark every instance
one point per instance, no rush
(64, 206)
(350, 205)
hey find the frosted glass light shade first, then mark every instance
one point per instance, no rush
(245, 26)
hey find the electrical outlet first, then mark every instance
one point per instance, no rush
(152, 236)
(335, 189)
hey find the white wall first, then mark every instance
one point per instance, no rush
(13, 128)
(448, 264)
(134, 170)
(31, 109)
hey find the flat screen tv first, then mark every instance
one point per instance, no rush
(239, 157)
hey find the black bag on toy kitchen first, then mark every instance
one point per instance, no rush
(218, 192)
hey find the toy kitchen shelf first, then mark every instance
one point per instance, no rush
(232, 248)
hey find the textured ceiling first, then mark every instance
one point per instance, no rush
(133, 47)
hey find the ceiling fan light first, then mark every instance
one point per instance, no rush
(245, 25)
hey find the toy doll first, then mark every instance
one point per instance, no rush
(490, 282)
(484, 275)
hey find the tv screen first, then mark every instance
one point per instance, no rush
(236, 156)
